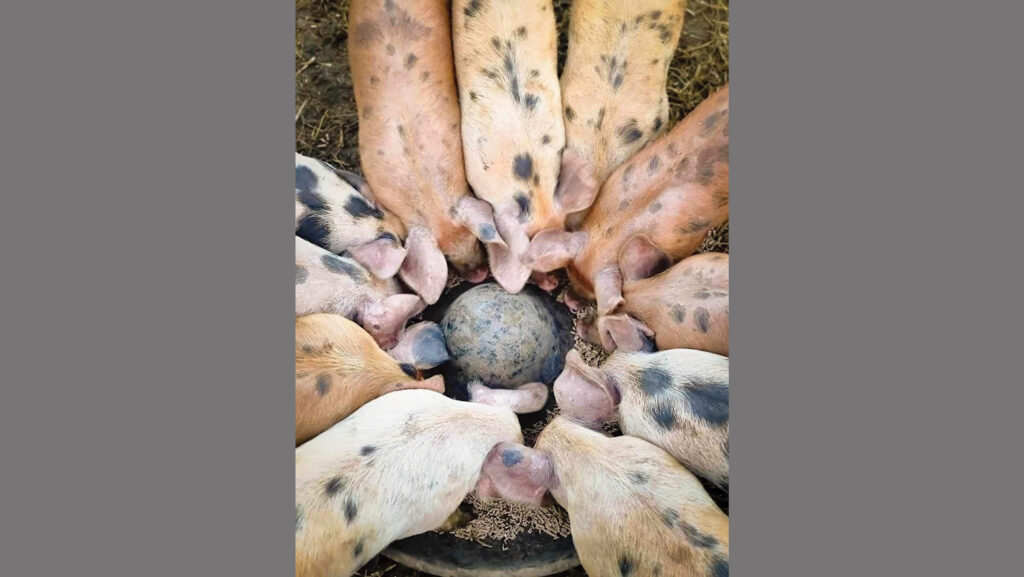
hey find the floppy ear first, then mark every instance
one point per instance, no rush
(385, 320)
(640, 258)
(422, 346)
(424, 269)
(382, 257)
(506, 265)
(516, 473)
(626, 333)
(576, 188)
(584, 393)
(355, 181)
(528, 398)
(552, 249)
(608, 290)
(478, 216)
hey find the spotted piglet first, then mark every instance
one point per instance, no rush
(397, 467)
(613, 85)
(339, 368)
(335, 210)
(676, 399)
(685, 307)
(652, 211)
(329, 283)
(512, 131)
(409, 141)
(634, 509)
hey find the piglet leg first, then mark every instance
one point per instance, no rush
(528, 398)
(422, 346)
(424, 269)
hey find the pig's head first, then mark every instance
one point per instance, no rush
(585, 394)
(385, 319)
(517, 473)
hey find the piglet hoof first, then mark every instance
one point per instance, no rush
(528, 398)
(422, 346)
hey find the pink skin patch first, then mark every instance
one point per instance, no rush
(576, 188)
(624, 332)
(382, 257)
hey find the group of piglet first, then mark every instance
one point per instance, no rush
(471, 145)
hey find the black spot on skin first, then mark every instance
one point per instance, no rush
(625, 566)
(663, 415)
(623, 204)
(695, 225)
(630, 132)
(523, 166)
(424, 75)
(638, 478)
(350, 510)
(391, 49)
(709, 403)
(408, 369)
(696, 538)
(702, 319)
(653, 165)
(301, 274)
(702, 294)
(410, 61)
(655, 14)
(569, 113)
(669, 518)
(524, 204)
(720, 568)
(521, 32)
(600, 119)
(711, 122)
(655, 207)
(655, 381)
(627, 173)
(531, 101)
(305, 180)
(536, 180)
(334, 485)
(374, 80)
(311, 200)
(472, 8)
(472, 96)
(358, 207)
(340, 266)
(323, 384)
(298, 517)
(312, 228)
(511, 457)
(617, 81)
(678, 313)
(496, 42)
(487, 232)
(367, 449)
(546, 139)
(657, 124)
(358, 549)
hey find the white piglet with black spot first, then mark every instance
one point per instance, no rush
(676, 399)
(397, 467)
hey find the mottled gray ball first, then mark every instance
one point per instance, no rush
(506, 340)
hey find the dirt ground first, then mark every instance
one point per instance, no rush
(326, 121)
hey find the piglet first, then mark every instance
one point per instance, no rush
(409, 143)
(397, 467)
(421, 346)
(677, 400)
(339, 368)
(512, 131)
(685, 307)
(634, 509)
(613, 85)
(652, 211)
(335, 210)
(329, 283)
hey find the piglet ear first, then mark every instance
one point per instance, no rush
(382, 257)
(357, 182)
(627, 333)
(584, 394)
(576, 188)
(608, 290)
(640, 258)
(588, 330)
(552, 249)
(422, 346)
(516, 473)
(528, 398)
(424, 269)
(508, 268)
(385, 320)
(478, 216)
